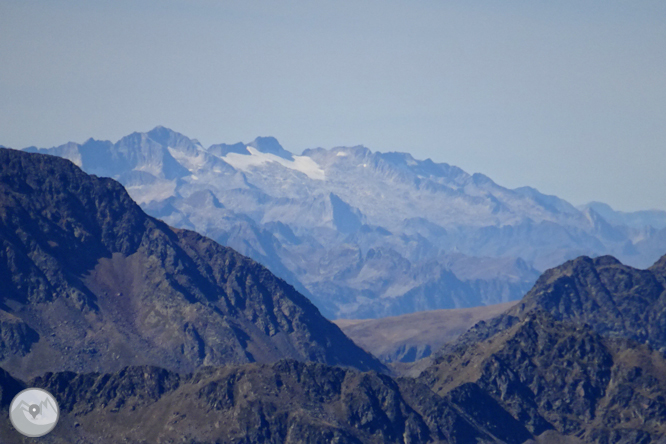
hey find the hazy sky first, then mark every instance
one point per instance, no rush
(567, 96)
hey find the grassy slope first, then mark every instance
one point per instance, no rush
(391, 338)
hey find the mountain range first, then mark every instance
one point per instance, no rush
(535, 374)
(365, 234)
(148, 333)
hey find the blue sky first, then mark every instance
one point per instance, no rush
(567, 96)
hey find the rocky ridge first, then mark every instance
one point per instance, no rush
(614, 299)
(286, 402)
(578, 360)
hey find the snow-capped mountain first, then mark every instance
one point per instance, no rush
(363, 233)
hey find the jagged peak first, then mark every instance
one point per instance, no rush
(160, 130)
(356, 150)
(170, 138)
(599, 207)
(270, 145)
(481, 179)
(91, 141)
(95, 222)
(399, 158)
(132, 138)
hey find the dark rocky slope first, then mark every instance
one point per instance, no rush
(91, 283)
(614, 299)
(580, 356)
(286, 402)
(540, 379)
(562, 378)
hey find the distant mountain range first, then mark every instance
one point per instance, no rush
(366, 234)
(92, 283)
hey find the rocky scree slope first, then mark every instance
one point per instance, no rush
(90, 282)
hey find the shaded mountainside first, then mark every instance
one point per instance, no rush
(539, 380)
(92, 285)
(90, 282)
(615, 300)
(286, 402)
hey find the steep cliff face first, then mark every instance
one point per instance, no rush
(90, 282)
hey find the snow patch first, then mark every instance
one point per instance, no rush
(192, 163)
(303, 164)
(161, 190)
(342, 154)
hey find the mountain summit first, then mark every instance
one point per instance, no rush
(611, 298)
(270, 145)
